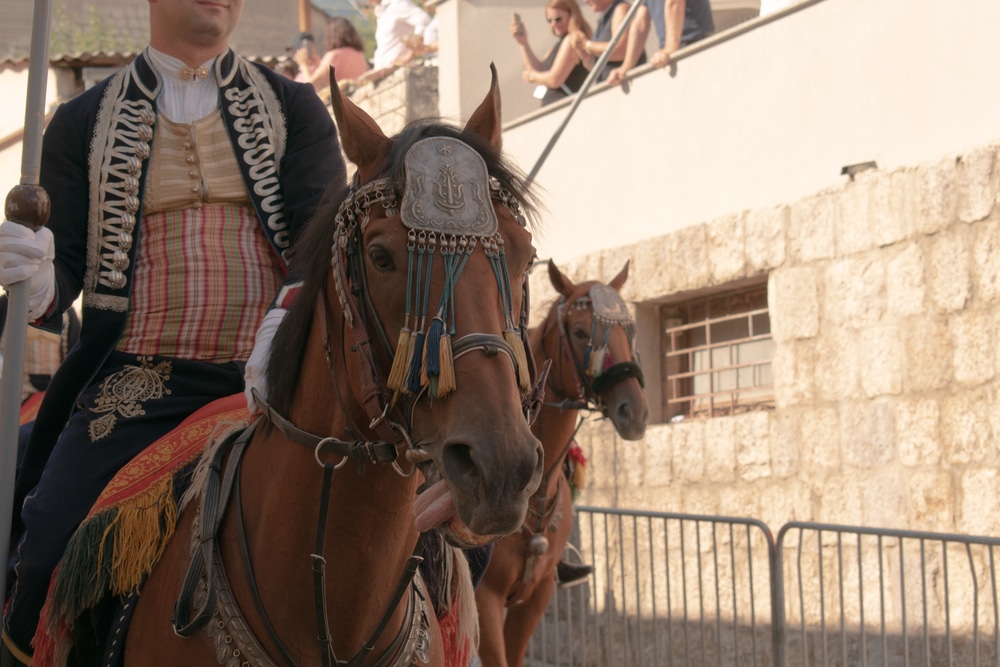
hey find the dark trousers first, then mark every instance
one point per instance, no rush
(133, 403)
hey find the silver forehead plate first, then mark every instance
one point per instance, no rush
(447, 189)
(608, 304)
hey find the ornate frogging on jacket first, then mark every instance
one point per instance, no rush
(119, 163)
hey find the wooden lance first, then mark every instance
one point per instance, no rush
(27, 204)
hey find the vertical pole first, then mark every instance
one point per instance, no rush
(584, 89)
(27, 204)
(305, 16)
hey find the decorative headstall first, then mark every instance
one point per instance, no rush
(448, 211)
(596, 372)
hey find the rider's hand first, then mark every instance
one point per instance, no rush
(27, 255)
(255, 375)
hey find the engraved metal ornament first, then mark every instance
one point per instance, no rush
(608, 305)
(447, 189)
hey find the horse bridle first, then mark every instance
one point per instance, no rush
(385, 422)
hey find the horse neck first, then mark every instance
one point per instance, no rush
(369, 532)
(554, 426)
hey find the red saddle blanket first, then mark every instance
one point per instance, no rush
(128, 527)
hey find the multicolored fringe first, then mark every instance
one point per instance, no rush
(577, 468)
(126, 532)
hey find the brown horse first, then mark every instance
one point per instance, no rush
(588, 335)
(312, 564)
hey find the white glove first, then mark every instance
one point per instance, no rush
(255, 375)
(28, 255)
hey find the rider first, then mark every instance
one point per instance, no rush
(177, 186)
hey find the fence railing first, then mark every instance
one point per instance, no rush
(689, 590)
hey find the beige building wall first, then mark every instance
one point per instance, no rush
(884, 298)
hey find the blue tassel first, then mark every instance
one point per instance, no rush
(413, 376)
(433, 363)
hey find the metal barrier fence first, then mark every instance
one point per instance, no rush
(689, 590)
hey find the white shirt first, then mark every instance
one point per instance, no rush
(184, 101)
(394, 21)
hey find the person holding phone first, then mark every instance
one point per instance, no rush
(560, 73)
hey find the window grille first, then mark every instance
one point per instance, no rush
(717, 354)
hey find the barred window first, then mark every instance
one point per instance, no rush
(717, 354)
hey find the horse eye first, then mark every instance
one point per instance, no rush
(581, 334)
(381, 258)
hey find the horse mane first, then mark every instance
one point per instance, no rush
(312, 252)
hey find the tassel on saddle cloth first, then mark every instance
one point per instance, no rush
(126, 531)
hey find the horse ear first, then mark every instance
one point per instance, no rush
(362, 139)
(620, 279)
(485, 121)
(559, 280)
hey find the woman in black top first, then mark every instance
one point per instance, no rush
(560, 73)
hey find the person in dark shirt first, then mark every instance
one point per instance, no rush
(611, 16)
(678, 23)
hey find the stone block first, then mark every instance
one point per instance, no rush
(782, 503)
(688, 440)
(905, 286)
(659, 456)
(986, 262)
(811, 228)
(838, 367)
(855, 230)
(726, 249)
(977, 184)
(720, 450)
(973, 336)
(932, 501)
(740, 500)
(965, 428)
(687, 259)
(840, 501)
(753, 445)
(918, 435)
(793, 303)
(936, 197)
(785, 444)
(928, 354)
(793, 368)
(820, 438)
(854, 291)
(948, 275)
(888, 208)
(980, 502)
(884, 496)
(881, 355)
(765, 238)
(652, 262)
(867, 434)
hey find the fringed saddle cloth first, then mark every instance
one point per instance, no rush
(123, 537)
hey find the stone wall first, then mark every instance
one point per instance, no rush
(884, 297)
(404, 95)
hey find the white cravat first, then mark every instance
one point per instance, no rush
(184, 101)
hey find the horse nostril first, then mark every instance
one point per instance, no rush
(457, 461)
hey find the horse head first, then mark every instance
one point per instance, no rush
(597, 345)
(430, 261)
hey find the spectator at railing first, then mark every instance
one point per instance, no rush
(345, 52)
(560, 73)
(678, 23)
(611, 16)
(395, 22)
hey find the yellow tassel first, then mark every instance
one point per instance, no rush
(411, 346)
(523, 381)
(579, 476)
(141, 530)
(398, 372)
(446, 380)
(597, 361)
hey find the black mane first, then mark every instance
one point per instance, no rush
(313, 249)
